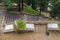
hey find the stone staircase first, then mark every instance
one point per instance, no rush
(10, 18)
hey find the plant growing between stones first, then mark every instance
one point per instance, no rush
(21, 25)
(58, 24)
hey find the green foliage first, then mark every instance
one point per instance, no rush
(8, 3)
(30, 10)
(0, 1)
(55, 12)
(37, 2)
(58, 24)
(33, 4)
(21, 24)
(29, 2)
(44, 4)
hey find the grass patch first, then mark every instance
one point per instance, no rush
(30, 10)
(58, 24)
(21, 24)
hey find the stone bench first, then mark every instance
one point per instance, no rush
(10, 28)
(52, 27)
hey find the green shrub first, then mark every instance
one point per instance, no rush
(9, 4)
(21, 24)
(55, 12)
(30, 10)
(58, 24)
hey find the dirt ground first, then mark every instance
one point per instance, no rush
(38, 34)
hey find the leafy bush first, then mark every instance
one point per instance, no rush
(30, 10)
(58, 24)
(9, 4)
(55, 11)
(0, 1)
(21, 24)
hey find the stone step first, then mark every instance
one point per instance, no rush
(0, 24)
(1, 18)
(2, 7)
